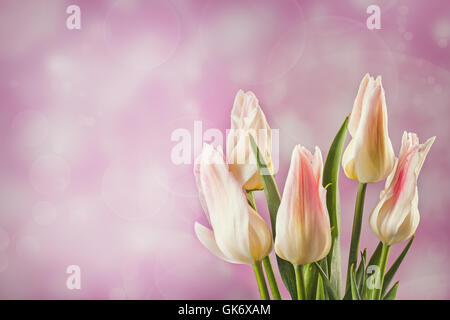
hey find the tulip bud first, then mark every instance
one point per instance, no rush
(396, 216)
(303, 232)
(248, 118)
(239, 234)
(369, 157)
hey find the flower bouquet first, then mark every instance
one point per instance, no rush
(305, 220)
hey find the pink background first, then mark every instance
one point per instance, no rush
(86, 176)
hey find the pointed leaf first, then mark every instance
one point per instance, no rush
(327, 284)
(360, 273)
(353, 286)
(273, 202)
(375, 259)
(324, 266)
(391, 272)
(330, 179)
(391, 293)
(320, 293)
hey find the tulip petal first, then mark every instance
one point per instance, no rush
(410, 223)
(317, 165)
(355, 116)
(260, 236)
(423, 152)
(199, 188)
(348, 160)
(206, 237)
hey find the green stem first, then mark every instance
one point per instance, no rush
(300, 281)
(383, 262)
(356, 231)
(271, 278)
(262, 286)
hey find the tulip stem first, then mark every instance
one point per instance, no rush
(356, 231)
(300, 281)
(271, 278)
(383, 262)
(262, 286)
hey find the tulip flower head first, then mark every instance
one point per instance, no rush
(239, 234)
(396, 216)
(369, 157)
(303, 232)
(248, 118)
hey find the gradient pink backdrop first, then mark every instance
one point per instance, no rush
(86, 176)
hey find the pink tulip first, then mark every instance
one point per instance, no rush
(396, 216)
(303, 232)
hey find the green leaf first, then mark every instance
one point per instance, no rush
(330, 180)
(312, 281)
(360, 273)
(320, 294)
(374, 261)
(273, 202)
(391, 272)
(324, 266)
(356, 233)
(353, 286)
(391, 293)
(327, 283)
(375, 258)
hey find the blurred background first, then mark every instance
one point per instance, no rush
(86, 175)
